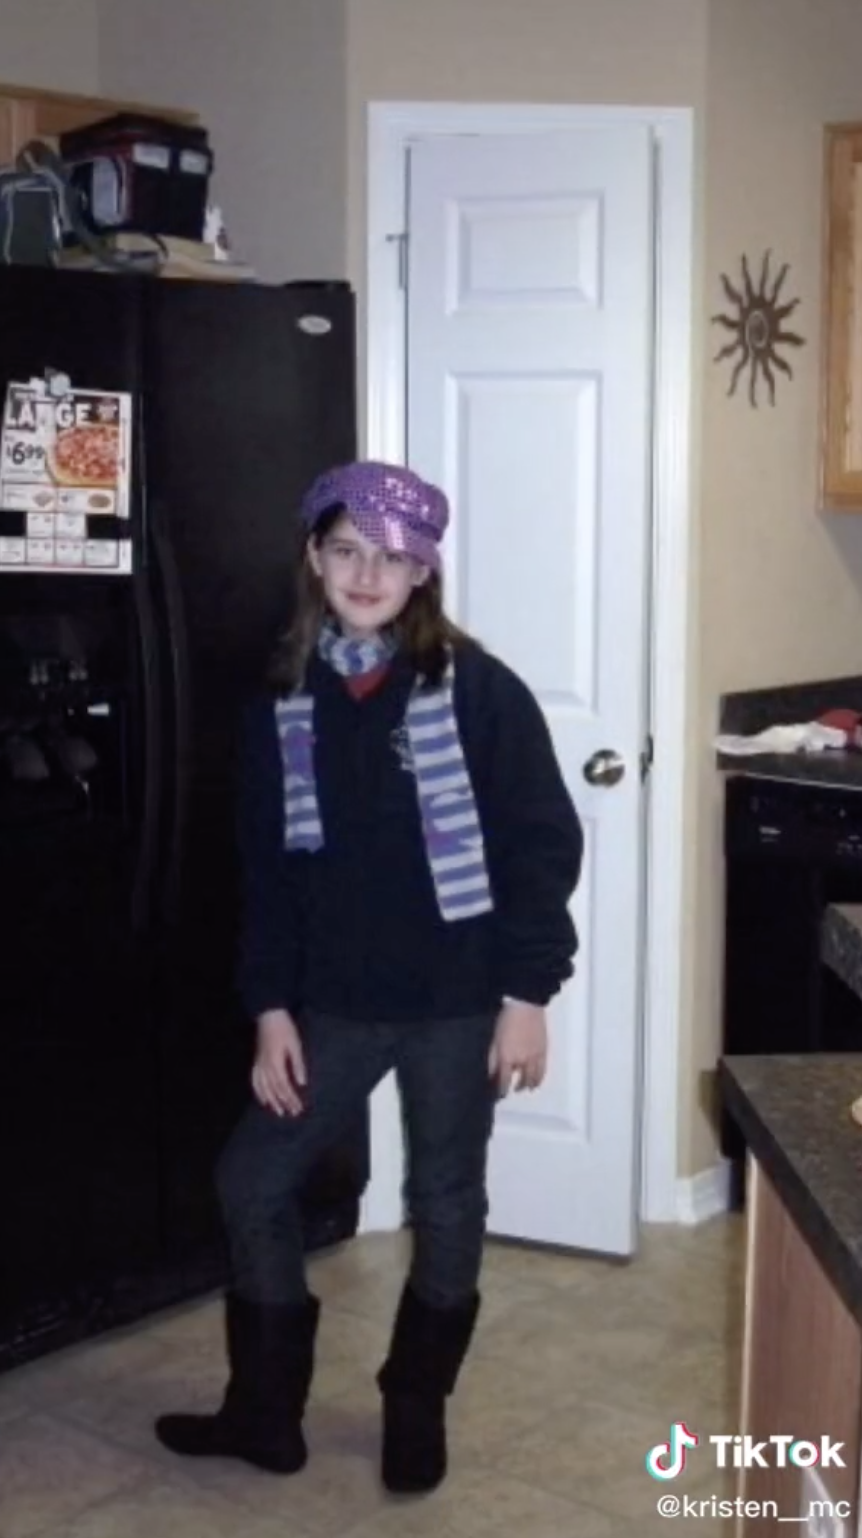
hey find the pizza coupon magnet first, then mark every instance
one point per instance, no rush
(64, 466)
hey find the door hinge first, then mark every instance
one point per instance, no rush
(647, 757)
(401, 242)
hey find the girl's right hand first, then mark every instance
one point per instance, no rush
(278, 1074)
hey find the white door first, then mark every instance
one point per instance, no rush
(530, 345)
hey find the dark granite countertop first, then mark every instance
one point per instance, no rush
(794, 1112)
(832, 767)
(754, 710)
(841, 943)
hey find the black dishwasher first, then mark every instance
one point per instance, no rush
(791, 849)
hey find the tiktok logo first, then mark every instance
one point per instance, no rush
(667, 1459)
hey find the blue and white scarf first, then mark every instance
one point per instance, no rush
(447, 805)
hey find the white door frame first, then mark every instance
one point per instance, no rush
(391, 128)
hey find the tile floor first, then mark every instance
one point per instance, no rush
(578, 1367)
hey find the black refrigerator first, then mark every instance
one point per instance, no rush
(124, 1054)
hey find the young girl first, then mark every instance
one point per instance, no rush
(410, 852)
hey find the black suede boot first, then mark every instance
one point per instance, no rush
(271, 1357)
(425, 1356)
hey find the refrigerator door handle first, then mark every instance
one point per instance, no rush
(152, 753)
(177, 645)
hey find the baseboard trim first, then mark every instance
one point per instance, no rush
(703, 1196)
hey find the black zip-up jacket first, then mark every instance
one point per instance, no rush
(354, 930)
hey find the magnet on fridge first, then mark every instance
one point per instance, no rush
(57, 383)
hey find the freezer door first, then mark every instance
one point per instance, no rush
(83, 327)
(78, 738)
(78, 1106)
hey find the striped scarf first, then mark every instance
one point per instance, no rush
(447, 806)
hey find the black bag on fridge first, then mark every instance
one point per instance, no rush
(139, 173)
(41, 209)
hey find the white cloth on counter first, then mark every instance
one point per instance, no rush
(807, 737)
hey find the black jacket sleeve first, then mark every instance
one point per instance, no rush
(535, 847)
(271, 906)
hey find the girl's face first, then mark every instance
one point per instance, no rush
(366, 587)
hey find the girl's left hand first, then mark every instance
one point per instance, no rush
(520, 1046)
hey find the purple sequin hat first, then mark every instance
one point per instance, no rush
(390, 505)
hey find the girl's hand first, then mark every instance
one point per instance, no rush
(520, 1047)
(278, 1074)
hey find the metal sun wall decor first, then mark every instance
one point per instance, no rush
(757, 323)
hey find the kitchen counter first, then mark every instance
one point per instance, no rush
(832, 767)
(754, 710)
(802, 1352)
(795, 1115)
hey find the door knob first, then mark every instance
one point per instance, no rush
(604, 768)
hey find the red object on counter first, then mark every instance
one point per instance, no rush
(844, 720)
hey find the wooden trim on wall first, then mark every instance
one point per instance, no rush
(101, 106)
(841, 480)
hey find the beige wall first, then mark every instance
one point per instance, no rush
(268, 78)
(505, 50)
(778, 69)
(50, 43)
(781, 590)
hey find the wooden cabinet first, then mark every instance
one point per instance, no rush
(802, 1374)
(9, 133)
(841, 427)
(32, 114)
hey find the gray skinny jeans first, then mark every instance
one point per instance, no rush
(448, 1101)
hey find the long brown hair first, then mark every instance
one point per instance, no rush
(425, 634)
